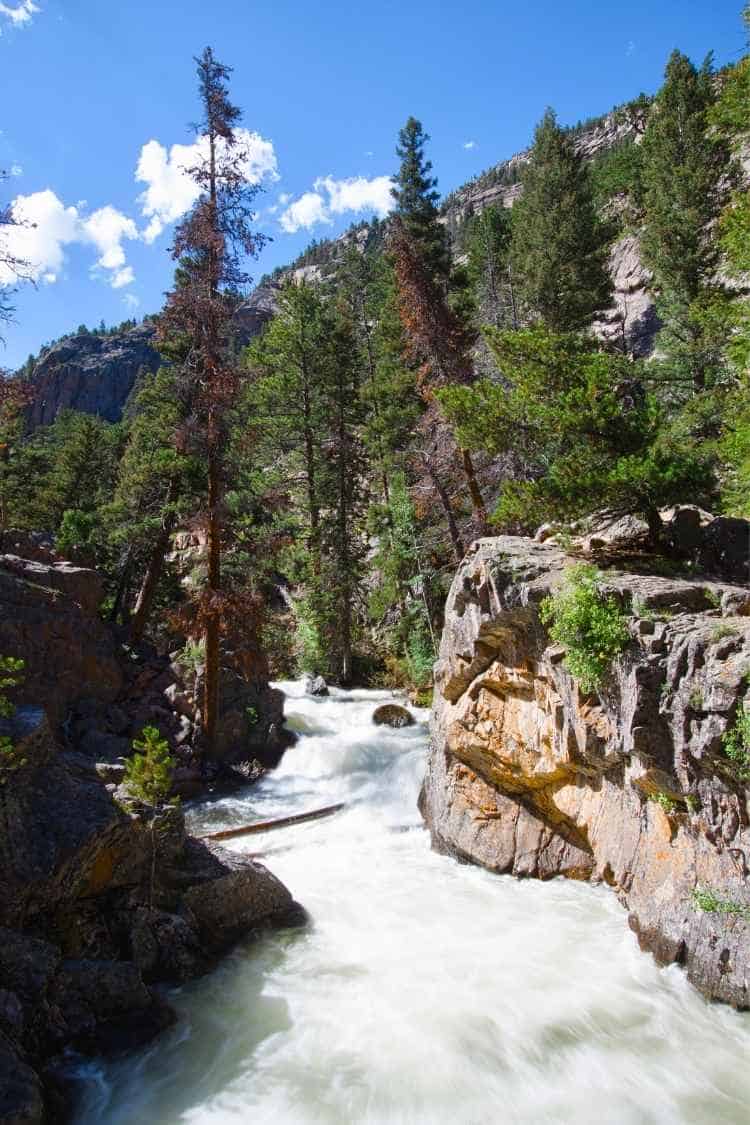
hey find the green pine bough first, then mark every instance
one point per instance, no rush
(148, 773)
(587, 623)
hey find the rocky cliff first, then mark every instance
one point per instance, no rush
(99, 903)
(95, 374)
(631, 786)
(92, 374)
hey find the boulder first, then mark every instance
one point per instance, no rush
(124, 901)
(392, 715)
(46, 619)
(725, 549)
(315, 685)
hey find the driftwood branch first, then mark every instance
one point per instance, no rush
(269, 825)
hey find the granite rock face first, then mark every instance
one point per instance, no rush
(96, 906)
(92, 374)
(630, 786)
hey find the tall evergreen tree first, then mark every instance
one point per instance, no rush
(486, 241)
(558, 248)
(211, 245)
(682, 162)
(417, 200)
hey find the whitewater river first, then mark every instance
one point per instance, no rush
(422, 991)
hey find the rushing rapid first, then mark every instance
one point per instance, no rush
(422, 992)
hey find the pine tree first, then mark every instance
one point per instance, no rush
(486, 241)
(682, 163)
(157, 483)
(589, 432)
(416, 202)
(343, 491)
(437, 339)
(558, 248)
(211, 245)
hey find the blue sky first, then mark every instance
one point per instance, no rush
(93, 91)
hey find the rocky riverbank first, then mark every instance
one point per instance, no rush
(629, 786)
(99, 905)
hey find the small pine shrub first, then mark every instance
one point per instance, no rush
(588, 624)
(148, 773)
(736, 745)
(192, 656)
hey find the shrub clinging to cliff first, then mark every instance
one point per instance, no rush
(587, 623)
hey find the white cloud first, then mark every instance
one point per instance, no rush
(171, 191)
(470, 144)
(47, 227)
(336, 197)
(357, 194)
(107, 228)
(16, 170)
(307, 211)
(19, 13)
(130, 301)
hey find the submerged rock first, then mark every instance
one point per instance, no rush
(392, 715)
(316, 685)
(530, 776)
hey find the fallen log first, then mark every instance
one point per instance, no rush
(270, 825)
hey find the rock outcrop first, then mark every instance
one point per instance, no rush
(631, 786)
(99, 692)
(92, 374)
(97, 905)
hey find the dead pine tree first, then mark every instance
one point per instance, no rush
(211, 246)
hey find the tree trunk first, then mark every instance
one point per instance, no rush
(458, 546)
(477, 500)
(211, 686)
(123, 586)
(154, 570)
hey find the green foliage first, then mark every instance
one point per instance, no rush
(252, 716)
(682, 163)
(486, 242)
(11, 672)
(695, 702)
(589, 430)
(617, 171)
(148, 772)
(667, 803)
(692, 803)
(710, 901)
(420, 653)
(416, 200)
(736, 745)
(723, 630)
(558, 248)
(590, 626)
(192, 656)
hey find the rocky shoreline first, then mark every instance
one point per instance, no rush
(101, 906)
(629, 786)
